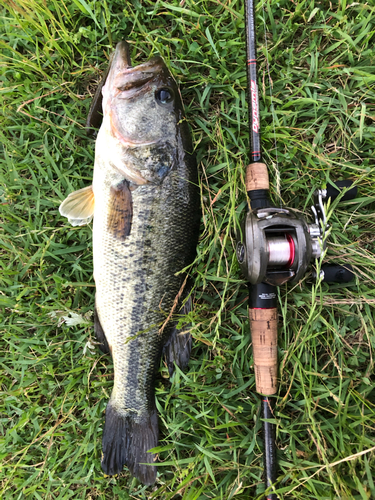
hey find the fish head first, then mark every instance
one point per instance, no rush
(141, 104)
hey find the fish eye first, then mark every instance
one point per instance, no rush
(164, 95)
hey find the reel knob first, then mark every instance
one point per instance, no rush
(334, 191)
(332, 273)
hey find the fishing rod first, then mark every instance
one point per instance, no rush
(276, 246)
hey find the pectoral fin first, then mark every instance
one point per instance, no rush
(78, 207)
(121, 211)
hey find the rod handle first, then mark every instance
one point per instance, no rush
(263, 325)
(257, 177)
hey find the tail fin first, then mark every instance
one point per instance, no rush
(126, 440)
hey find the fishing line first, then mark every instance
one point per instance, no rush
(273, 112)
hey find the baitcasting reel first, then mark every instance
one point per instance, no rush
(278, 245)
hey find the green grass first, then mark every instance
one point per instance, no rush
(54, 381)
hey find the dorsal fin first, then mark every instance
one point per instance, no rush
(95, 115)
(79, 206)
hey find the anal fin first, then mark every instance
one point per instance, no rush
(95, 115)
(178, 347)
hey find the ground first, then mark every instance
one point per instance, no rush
(317, 117)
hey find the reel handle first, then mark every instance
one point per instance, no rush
(333, 192)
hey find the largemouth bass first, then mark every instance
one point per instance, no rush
(145, 204)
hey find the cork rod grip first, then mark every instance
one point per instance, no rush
(263, 324)
(256, 177)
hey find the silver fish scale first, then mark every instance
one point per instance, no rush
(135, 279)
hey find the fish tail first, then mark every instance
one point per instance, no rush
(126, 441)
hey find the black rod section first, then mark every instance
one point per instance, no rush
(269, 456)
(262, 296)
(252, 84)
